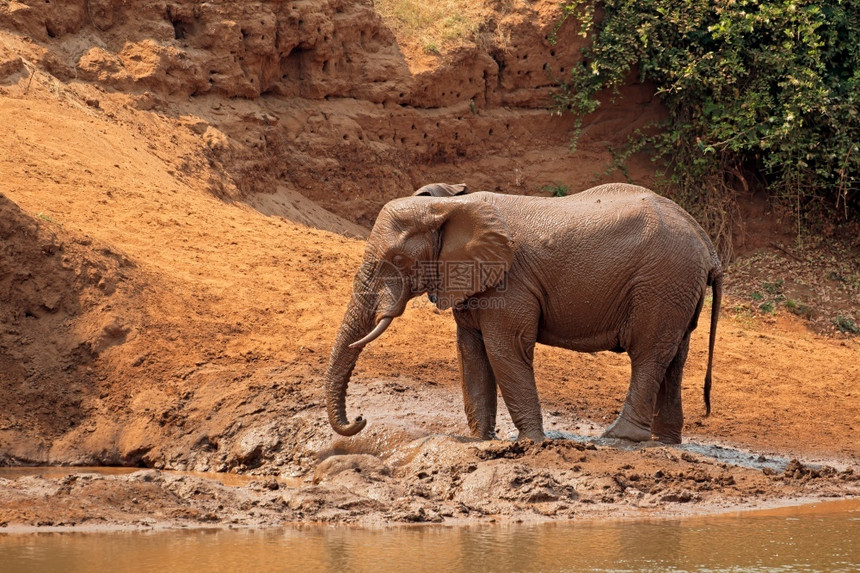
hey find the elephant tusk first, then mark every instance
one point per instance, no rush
(374, 334)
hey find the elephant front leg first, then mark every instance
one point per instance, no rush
(479, 383)
(512, 362)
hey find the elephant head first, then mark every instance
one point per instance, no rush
(450, 248)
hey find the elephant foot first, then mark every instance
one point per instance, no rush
(484, 435)
(624, 429)
(667, 435)
(535, 436)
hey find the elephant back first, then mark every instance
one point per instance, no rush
(441, 190)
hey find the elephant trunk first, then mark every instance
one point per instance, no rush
(341, 364)
(379, 293)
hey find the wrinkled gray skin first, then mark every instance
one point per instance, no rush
(441, 190)
(615, 267)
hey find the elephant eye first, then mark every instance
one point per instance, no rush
(399, 260)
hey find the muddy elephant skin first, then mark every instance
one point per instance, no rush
(615, 267)
(441, 190)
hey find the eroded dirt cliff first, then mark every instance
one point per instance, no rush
(318, 97)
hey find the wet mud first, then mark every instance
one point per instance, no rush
(403, 469)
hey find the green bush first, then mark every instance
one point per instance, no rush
(557, 189)
(758, 92)
(846, 325)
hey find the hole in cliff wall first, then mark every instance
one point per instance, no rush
(499, 58)
(183, 24)
(180, 29)
(293, 64)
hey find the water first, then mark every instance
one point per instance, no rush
(720, 453)
(54, 472)
(823, 537)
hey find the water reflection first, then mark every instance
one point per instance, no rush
(822, 538)
(54, 472)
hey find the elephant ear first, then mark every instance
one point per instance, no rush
(475, 252)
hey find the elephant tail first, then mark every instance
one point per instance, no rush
(716, 282)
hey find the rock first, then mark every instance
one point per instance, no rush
(97, 64)
(249, 448)
(10, 68)
(112, 333)
(361, 463)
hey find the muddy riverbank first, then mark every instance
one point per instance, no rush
(394, 474)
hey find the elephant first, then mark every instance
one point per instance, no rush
(441, 190)
(616, 267)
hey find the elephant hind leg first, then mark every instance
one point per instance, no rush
(634, 421)
(669, 414)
